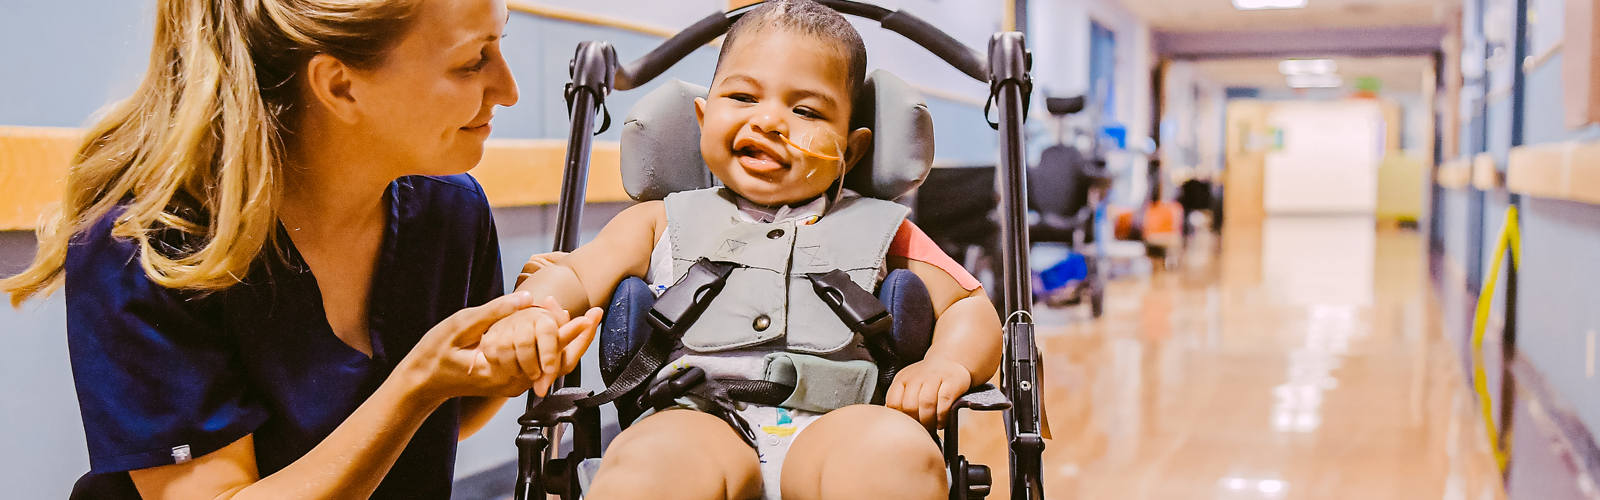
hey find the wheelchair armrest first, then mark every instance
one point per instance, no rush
(560, 407)
(984, 398)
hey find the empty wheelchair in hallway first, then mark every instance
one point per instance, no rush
(660, 156)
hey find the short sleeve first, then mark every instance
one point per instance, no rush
(158, 382)
(911, 243)
(488, 279)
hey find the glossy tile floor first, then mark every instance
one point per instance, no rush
(1302, 358)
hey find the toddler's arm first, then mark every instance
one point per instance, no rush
(532, 339)
(966, 334)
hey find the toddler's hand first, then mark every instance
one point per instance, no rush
(537, 262)
(927, 389)
(541, 343)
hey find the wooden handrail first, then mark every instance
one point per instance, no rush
(514, 172)
(1455, 174)
(581, 17)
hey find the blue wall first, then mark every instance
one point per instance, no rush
(1556, 294)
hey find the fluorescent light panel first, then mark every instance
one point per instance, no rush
(1315, 81)
(1308, 67)
(1268, 4)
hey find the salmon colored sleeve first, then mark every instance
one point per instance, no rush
(910, 242)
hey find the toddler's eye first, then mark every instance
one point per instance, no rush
(808, 113)
(744, 98)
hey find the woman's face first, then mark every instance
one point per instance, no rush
(426, 109)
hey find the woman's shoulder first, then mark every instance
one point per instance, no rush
(100, 242)
(446, 199)
(454, 191)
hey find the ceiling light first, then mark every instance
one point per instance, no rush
(1307, 67)
(1268, 4)
(1315, 81)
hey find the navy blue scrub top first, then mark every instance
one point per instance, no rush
(164, 376)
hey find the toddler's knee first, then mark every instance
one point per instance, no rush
(689, 449)
(894, 436)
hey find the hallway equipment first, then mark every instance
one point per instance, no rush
(1066, 189)
(596, 72)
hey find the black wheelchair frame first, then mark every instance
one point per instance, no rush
(595, 72)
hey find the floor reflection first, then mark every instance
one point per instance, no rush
(1298, 359)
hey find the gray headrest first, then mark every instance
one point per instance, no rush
(661, 141)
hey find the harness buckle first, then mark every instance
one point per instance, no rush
(860, 311)
(682, 304)
(661, 394)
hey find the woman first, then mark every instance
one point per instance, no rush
(268, 295)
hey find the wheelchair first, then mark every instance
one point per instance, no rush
(1065, 188)
(660, 156)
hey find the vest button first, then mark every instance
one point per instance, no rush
(761, 323)
(774, 234)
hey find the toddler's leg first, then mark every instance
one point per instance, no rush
(678, 454)
(865, 452)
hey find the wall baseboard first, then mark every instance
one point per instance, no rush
(496, 483)
(1555, 420)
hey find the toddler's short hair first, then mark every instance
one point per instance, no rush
(805, 17)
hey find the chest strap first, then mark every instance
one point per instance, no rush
(673, 312)
(682, 304)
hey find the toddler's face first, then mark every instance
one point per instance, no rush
(773, 85)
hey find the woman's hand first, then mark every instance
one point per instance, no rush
(539, 343)
(441, 367)
(537, 262)
(927, 389)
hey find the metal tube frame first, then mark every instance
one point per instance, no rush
(596, 72)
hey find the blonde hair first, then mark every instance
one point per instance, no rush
(198, 149)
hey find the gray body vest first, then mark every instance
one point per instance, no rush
(769, 299)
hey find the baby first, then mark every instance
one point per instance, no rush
(775, 129)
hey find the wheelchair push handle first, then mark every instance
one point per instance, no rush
(641, 71)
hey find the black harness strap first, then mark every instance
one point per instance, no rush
(683, 303)
(677, 308)
(865, 315)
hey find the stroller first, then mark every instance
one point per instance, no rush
(655, 165)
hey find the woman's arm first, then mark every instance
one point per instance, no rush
(352, 461)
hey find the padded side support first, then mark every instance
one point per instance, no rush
(902, 138)
(622, 333)
(661, 143)
(908, 301)
(624, 330)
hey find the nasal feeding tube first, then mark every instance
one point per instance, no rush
(838, 158)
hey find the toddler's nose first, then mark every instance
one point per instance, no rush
(767, 123)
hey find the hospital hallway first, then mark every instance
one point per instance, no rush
(1303, 358)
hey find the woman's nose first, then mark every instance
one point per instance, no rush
(502, 88)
